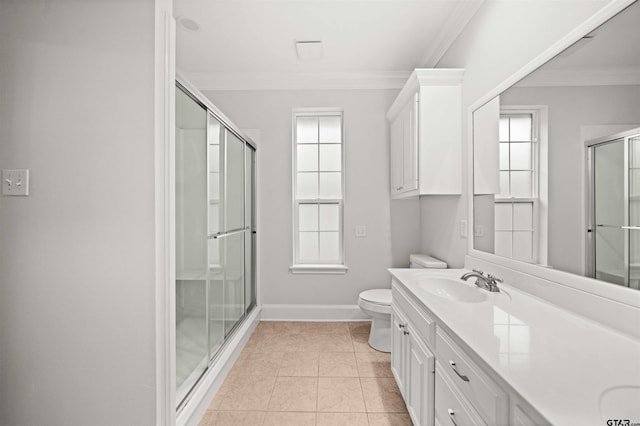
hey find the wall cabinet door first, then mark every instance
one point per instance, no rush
(396, 152)
(410, 146)
(404, 150)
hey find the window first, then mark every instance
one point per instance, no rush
(516, 206)
(318, 192)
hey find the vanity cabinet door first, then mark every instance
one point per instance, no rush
(398, 349)
(419, 380)
(412, 365)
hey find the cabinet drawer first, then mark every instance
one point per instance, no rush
(483, 393)
(451, 407)
(424, 324)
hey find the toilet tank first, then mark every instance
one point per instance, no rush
(424, 261)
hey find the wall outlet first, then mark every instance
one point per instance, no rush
(479, 231)
(361, 231)
(15, 182)
(463, 228)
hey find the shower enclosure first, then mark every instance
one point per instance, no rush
(613, 213)
(215, 228)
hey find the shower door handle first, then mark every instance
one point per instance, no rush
(635, 228)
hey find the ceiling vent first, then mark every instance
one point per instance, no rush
(309, 50)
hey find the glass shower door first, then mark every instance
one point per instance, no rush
(232, 236)
(216, 205)
(615, 207)
(634, 212)
(249, 236)
(609, 166)
(191, 243)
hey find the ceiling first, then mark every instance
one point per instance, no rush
(250, 44)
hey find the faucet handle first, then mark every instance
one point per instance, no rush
(494, 278)
(477, 271)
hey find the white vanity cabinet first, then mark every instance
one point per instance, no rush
(426, 134)
(442, 382)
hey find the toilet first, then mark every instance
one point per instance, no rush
(377, 304)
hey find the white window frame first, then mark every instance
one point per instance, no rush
(306, 266)
(539, 197)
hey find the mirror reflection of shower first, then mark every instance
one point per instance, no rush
(613, 214)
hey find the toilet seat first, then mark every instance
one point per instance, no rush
(378, 296)
(378, 301)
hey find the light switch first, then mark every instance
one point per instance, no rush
(463, 228)
(361, 231)
(15, 182)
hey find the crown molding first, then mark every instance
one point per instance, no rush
(420, 78)
(453, 26)
(620, 76)
(298, 81)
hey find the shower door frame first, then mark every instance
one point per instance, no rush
(590, 261)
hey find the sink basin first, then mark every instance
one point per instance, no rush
(620, 402)
(455, 290)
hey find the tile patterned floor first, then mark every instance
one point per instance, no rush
(309, 373)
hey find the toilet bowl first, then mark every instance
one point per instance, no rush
(377, 304)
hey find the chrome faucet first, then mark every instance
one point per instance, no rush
(487, 282)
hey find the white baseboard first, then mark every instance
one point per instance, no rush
(192, 412)
(313, 313)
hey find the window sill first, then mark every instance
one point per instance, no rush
(318, 269)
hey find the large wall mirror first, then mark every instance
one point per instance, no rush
(556, 160)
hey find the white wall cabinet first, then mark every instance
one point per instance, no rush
(426, 135)
(451, 387)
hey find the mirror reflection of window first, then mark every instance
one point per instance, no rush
(516, 205)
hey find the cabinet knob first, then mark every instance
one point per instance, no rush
(405, 332)
(401, 325)
(455, 369)
(400, 188)
(452, 416)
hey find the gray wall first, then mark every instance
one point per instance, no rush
(389, 237)
(77, 327)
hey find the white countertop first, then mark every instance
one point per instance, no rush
(559, 362)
